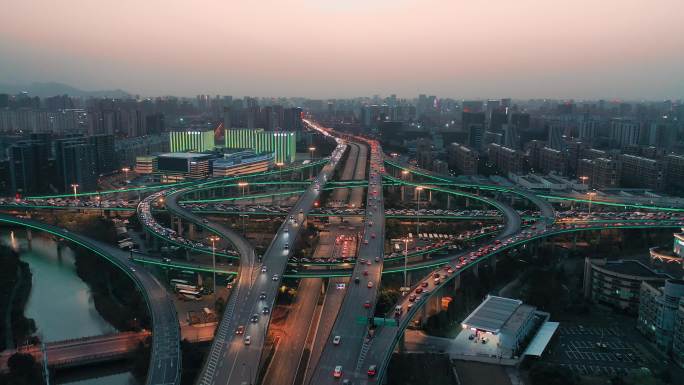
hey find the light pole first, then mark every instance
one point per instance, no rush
(126, 170)
(74, 186)
(243, 185)
(584, 179)
(280, 170)
(406, 287)
(418, 190)
(404, 175)
(591, 195)
(311, 151)
(213, 240)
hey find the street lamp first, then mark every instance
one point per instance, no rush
(126, 170)
(418, 191)
(404, 175)
(584, 179)
(311, 150)
(591, 195)
(280, 170)
(74, 186)
(243, 185)
(213, 240)
(405, 289)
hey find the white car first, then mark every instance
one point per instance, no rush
(248, 340)
(275, 277)
(336, 340)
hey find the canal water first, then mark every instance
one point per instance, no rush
(60, 303)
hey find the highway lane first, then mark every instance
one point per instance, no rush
(240, 357)
(165, 358)
(351, 322)
(285, 362)
(340, 196)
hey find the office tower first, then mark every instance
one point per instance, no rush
(556, 136)
(282, 143)
(105, 156)
(292, 119)
(472, 106)
(496, 120)
(75, 163)
(155, 124)
(511, 138)
(474, 126)
(198, 141)
(29, 167)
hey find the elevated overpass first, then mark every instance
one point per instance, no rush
(165, 358)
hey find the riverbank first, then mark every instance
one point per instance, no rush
(15, 279)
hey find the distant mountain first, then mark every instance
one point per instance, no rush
(53, 88)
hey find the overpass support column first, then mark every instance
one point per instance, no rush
(448, 201)
(191, 230)
(457, 282)
(402, 343)
(29, 234)
(492, 263)
(179, 226)
(476, 270)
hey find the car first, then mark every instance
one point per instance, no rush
(264, 269)
(336, 340)
(365, 272)
(240, 330)
(264, 310)
(205, 221)
(337, 373)
(373, 235)
(248, 340)
(377, 259)
(255, 318)
(412, 297)
(436, 281)
(372, 370)
(366, 304)
(275, 277)
(262, 295)
(357, 279)
(286, 246)
(370, 284)
(365, 241)
(424, 284)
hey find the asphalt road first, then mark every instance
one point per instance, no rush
(165, 359)
(238, 361)
(351, 323)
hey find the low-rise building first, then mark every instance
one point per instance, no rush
(618, 283)
(660, 314)
(242, 162)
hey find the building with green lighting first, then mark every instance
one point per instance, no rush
(282, 143)
(197, 141)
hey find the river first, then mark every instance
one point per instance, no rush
(60, 302)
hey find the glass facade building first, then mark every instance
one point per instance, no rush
(197, 141)
(282, 143)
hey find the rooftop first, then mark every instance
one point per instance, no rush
(185, 155)
(631, 267)
(492, 314)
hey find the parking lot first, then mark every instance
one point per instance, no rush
(596, 350)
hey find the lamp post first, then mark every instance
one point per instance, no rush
(591, 195)
(75, 187)
(126, 170)
(213, 240)
(418, 191)
(243, 185)
(584, 179)
(406, 287)
(404, 175)
(311, 152)
(280, 170)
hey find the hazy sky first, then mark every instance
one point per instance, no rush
(339, 48)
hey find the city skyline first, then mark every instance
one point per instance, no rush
(627, 50)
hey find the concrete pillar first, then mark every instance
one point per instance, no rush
(191, 230)
(179, 226)
(448, 201)
(476, 270)
(492, 263)
(457, 282)
(402, 343)
(60, 247)
(430, 196)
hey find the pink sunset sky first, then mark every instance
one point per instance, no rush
(341, 48)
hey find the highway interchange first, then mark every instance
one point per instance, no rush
(348, 346)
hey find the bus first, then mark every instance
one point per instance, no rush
(190, 294)
(177, 281)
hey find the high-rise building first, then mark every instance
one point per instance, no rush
(638, 171)
(292, 119)
(75, 162)
(105, 157)
(511, 137)
(462, 159)
(28, 162)
(197, 141)
(282, 143)
(552, 160)
(507, 160)
(624, 132)
(556, 141)
(474, 126)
